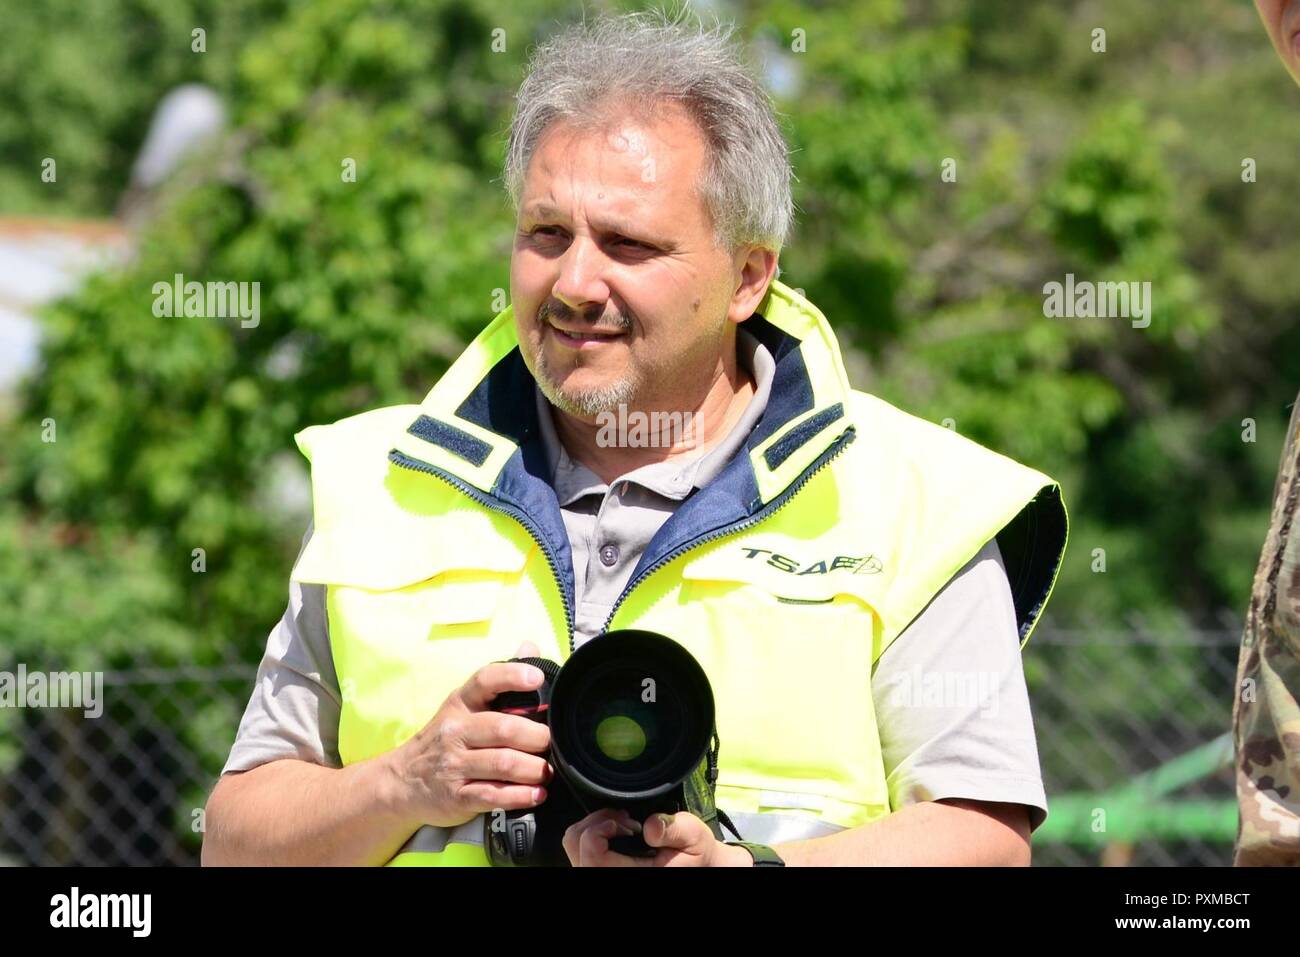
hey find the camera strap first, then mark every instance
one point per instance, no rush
(711, 775)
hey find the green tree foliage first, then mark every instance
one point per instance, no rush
(82, 79)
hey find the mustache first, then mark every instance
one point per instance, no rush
(616, 322)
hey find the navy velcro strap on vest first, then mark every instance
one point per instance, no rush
(457, 441)
(788, 444)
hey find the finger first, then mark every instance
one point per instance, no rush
(593, 847)
(490, 729)
(570, 844)
(490, 680)
(504, 764)
(573, 833)
(484, 797)
(682, 831)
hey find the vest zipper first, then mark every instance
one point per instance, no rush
(773, 506)
(496, 505)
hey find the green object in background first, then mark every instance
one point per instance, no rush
(1139, 810)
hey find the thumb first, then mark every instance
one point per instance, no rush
(671, 830)
(528, 650)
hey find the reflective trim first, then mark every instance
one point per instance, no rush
(429, 839)
(768, 828)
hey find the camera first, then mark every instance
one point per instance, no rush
(632, 722)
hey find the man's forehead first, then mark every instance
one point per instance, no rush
(621, 168)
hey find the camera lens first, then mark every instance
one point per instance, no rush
(631, 715)
(629, 721)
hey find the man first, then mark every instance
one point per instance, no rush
(828, 559)
(1266, 712)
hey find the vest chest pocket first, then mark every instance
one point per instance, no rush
(456, 599)
(448, 618)
(791, 675)
(403, 650)
(412, 614)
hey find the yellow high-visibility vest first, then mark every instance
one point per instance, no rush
(443, 547)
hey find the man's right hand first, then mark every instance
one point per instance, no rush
(469, 759)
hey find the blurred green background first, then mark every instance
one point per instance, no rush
(176, 434)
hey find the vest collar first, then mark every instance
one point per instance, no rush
(481, 417)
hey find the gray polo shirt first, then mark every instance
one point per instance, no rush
(951, 702)
(610, 526)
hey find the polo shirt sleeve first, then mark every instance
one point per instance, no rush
(951, 701)
(295, 706)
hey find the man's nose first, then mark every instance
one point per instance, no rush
(580, 282)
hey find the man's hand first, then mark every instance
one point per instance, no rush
(683, 841)
(469, 759)
(466, 760)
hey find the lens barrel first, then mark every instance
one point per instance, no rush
(631, 716)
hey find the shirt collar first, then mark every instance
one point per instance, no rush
(674, 479)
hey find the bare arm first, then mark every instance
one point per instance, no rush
(296, 813)
(931, 833)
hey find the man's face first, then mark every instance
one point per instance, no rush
(1282, 20)
(619, 292)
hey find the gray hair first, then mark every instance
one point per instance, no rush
(588, 72)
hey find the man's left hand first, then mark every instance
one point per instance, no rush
(682, 839)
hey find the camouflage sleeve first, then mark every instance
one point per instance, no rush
(1266, 708)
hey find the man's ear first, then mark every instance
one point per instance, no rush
(755, 267)
(1270, 12)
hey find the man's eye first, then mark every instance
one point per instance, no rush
(636, 244)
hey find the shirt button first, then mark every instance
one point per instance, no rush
(608, 555)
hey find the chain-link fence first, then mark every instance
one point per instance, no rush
(1134, 736)
(126, 787)
(1130, 730)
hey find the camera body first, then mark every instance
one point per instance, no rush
(632, 725)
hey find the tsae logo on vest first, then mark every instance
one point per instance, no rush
(869, 565)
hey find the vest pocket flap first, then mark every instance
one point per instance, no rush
(455, 598)
(388, 565)
(793, 579)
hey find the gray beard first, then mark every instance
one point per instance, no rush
(586, 403)
(591, 402)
